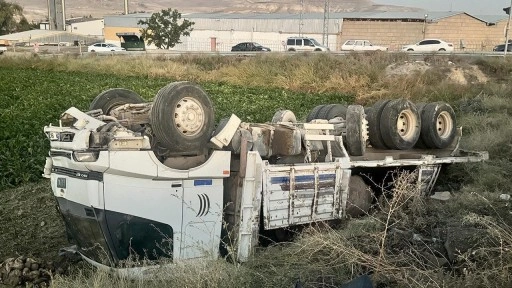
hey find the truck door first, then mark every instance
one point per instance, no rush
(144, 216)
(202, 218)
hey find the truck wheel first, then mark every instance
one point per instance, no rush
(115, 97)
(182, 117)
(438, 125)
(359, 199)
(356, 130)
(400, 124)
(284, 116)
(314, 113)
(331, 111)
(373, 115)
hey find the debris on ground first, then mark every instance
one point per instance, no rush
(29, 272)
(443, 196)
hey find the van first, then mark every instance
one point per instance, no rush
(304, 44)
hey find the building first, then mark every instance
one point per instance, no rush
(218, 32)
(395, 29)
(82, 25)
(48, 37)
(85, 26)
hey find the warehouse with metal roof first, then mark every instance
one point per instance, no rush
(218, 32)
(42, 37)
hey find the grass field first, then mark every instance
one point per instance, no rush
(35, 91)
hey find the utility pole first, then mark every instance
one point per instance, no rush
(301, 21)
(425, 25)
(508, 27)
(325, 35)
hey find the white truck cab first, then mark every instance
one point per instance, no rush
(130, 188)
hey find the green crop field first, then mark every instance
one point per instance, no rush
(34, 92)
(33, 98)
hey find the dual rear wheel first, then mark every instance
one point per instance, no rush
(401, 125)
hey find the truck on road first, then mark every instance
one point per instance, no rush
(160, 180)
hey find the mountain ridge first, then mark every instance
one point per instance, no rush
(36, 10)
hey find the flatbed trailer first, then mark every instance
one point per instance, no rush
(123, 198)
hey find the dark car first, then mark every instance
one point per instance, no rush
(501, 47)
(249, 46)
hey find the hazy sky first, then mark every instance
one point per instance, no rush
(477, 7)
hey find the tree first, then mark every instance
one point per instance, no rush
(163, 28)
(12, 19)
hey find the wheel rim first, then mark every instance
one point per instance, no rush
(189, 116)
(444, 124)
(406, 124)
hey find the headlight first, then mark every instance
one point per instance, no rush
(86, 156)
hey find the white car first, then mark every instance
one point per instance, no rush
(304, 44)
(104, 47)
(429, 45)
(361, 45)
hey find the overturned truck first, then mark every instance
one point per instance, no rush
(160, 179)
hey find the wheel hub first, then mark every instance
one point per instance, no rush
(406, 124)
(444, 124)
(189, 116)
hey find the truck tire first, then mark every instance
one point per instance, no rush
(182, 118)
(331, 111)
(420, 144)
(284, 116)
(438, 125)
(360, 197)
(400, 124)
(313, 114)
(356, 130)
(373, 116)
(112, 98)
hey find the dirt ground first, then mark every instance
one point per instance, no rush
(460, 74)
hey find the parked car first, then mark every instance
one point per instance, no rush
(429, 45)
(501, 47)
(249, 46)
(304, 44)
(104, 47)
(361, 45)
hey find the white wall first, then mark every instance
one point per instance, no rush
(199, 40)
(93, 28)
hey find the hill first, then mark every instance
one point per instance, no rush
(37, 10)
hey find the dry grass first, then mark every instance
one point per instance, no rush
(380, 245)
(362, 75)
